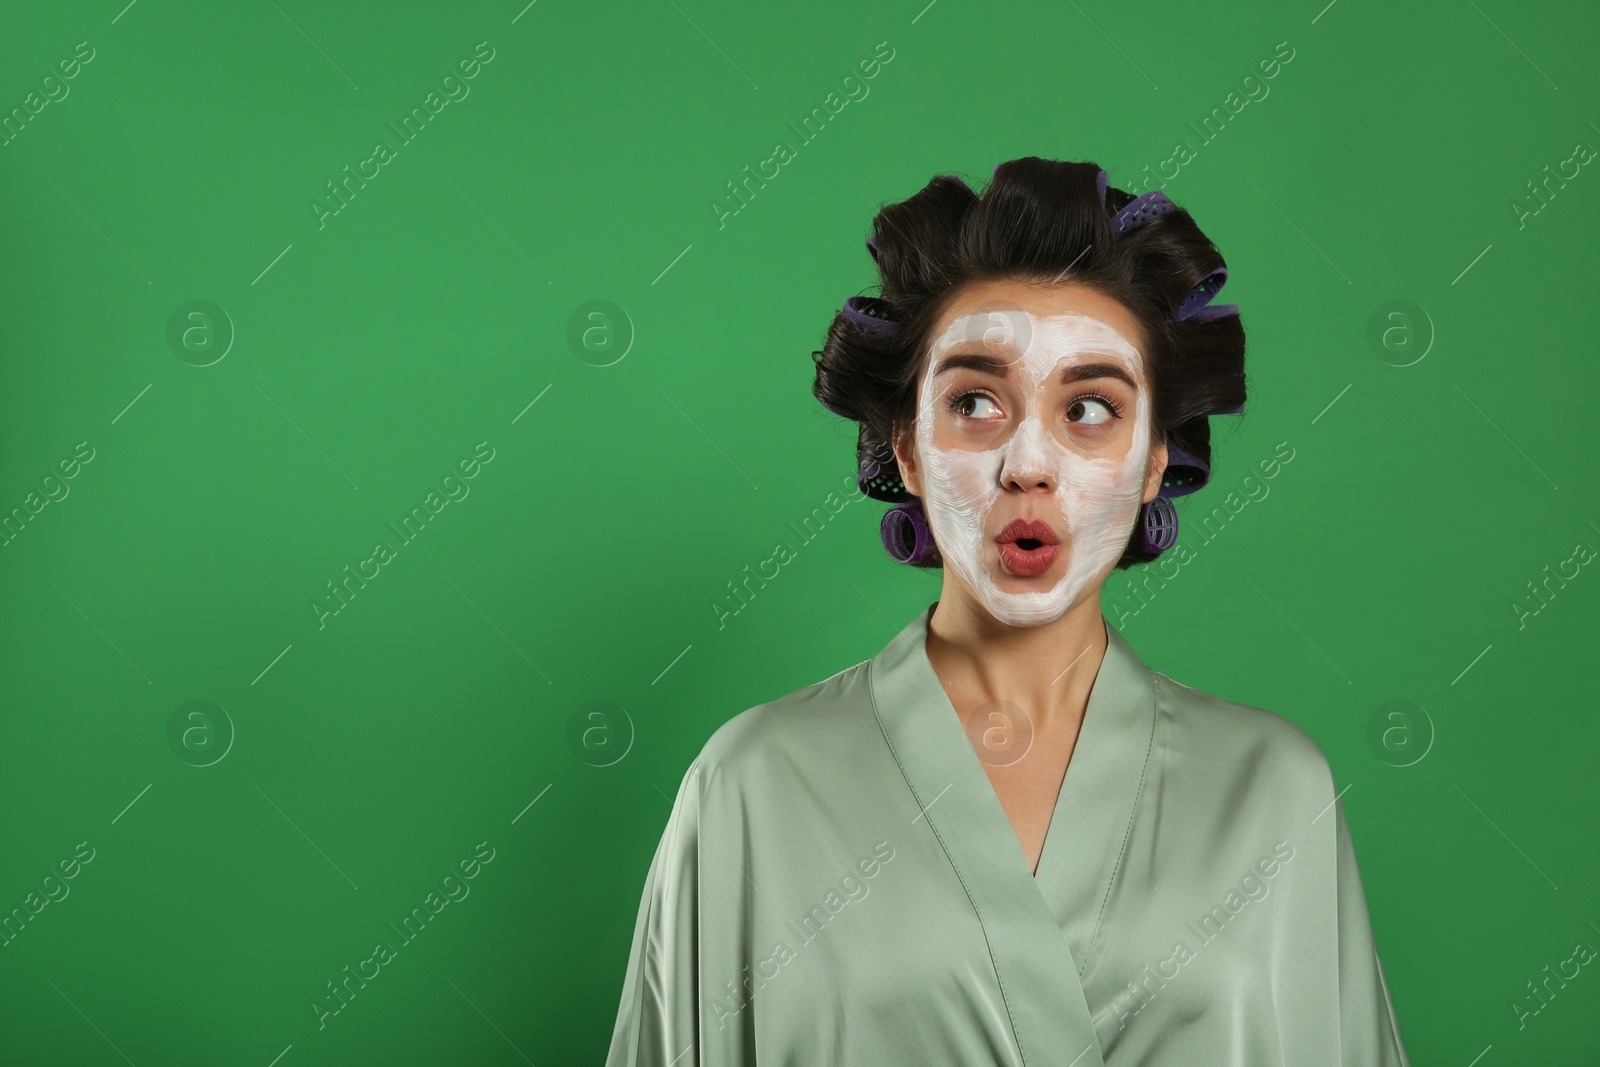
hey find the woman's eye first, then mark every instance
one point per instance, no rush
(1091, 411)
(968, 405)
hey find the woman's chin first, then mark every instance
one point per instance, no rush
(1014, 601)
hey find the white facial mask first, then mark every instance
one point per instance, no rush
(1097, 496)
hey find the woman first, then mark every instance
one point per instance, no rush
(1004, 839)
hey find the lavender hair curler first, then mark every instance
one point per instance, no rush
(870, 313)
(1192, 308)
(1185, 472)
(906, 534)
(1201, 295)
(1159, 524)
(1140, 210)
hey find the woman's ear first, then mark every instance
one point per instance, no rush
(905, 454)
(1158, 468)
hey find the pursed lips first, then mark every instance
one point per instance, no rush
(1032, 530)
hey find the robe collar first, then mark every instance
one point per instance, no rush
(1043, 930)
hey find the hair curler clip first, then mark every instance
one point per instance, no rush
(870, 313)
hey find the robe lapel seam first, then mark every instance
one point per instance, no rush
(1149, 713)
(954, 866)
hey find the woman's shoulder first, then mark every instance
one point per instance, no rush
(799, 727)
(1205, 726)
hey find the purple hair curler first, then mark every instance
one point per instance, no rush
(1141, 210)
(870, 313)
(882, 482)
(906, 534)
(1201, 295)
(1159, 524)
(1185, 472)
(1154, 204)
(1213, 311)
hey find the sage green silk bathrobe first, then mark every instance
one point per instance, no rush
(838, 884)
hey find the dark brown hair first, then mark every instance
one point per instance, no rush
(1039, 221)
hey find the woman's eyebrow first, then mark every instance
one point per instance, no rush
(978, 361)
(1072, 372)
(1077, 372)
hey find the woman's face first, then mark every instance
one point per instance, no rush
(1031, 445)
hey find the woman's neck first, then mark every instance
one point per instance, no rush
(1048, 669)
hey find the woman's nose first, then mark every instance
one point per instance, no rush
(1030, 460)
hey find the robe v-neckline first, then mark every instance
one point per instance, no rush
(1041, 928)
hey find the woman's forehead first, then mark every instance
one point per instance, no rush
(1014, 341)
(1043, 301)
(1019, 333)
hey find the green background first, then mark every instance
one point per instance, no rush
(367, 755)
